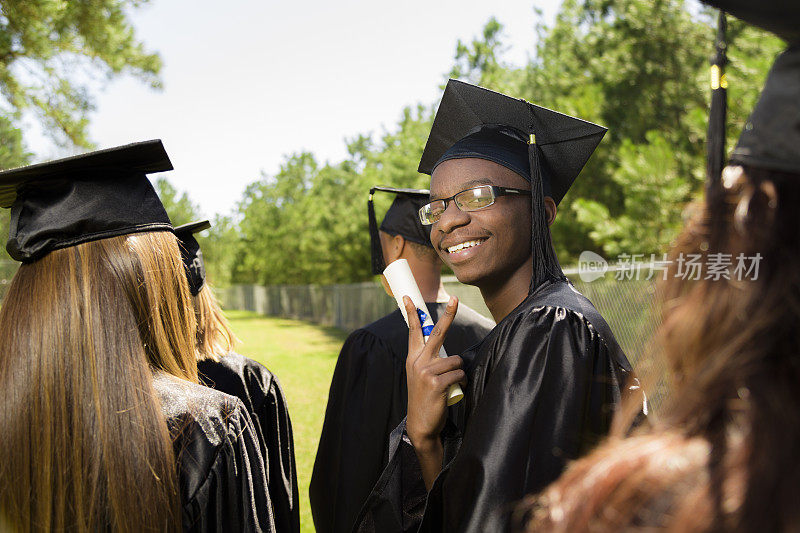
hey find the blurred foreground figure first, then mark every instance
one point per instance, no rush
(103, 426)
(368, 395)
(223, 369)
(724, 456)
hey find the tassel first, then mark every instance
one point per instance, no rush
(545, 263)
(719, 108)
(376, 250)
(716, 129)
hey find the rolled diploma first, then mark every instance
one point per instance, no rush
(401, 282)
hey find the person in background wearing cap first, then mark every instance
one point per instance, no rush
(368, 391)
(102, 423)
(542, 387)
(724, 456)
(221, 368)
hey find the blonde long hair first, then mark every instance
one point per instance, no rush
(85, 444)
(214, 335)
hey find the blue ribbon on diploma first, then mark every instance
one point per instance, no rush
(426, 330)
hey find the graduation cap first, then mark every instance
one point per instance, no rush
(771, 136)
(776, 16)
(564, 143)
(402, 219)
(192, 255)
(546, 147)
(83, 198)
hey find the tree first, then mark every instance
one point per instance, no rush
(308, 223)
(179, 206)
(220, 243)
(48, 48)
(655, 194)
(45, 48)
(220, 250)
(273, 224)
(639, 67)
(480, 62)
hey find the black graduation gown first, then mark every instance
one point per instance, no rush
(542, 390)
(263, 398)
(223, 484)
(368, 398)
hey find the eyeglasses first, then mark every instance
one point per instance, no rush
(470, 200)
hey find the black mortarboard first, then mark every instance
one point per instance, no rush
(565, 142)
(771, 136)
(192, 255)
(780, 17)
(545, 147)
(83, 198)
(402, 218)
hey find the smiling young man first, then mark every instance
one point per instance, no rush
(480, 246)
(542, 387)
(367, 396)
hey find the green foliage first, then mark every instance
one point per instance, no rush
(480, 62)
(272, 223)
(12, 154)
(220, 249)
(12, 149)
(639, 68)
(47, 46)
(180, 208)
(308, 224)
(655, 192)
(220, 244)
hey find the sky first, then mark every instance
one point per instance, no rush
(247, 83)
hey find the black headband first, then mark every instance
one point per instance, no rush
(497, 143)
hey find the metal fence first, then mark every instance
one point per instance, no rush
(345, 306)
(630, 308)
(626, 304)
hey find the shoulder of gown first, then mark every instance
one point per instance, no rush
(220, 467)
(261, 393)
(390, 330)
(548, 306)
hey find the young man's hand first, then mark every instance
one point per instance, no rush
(429, 378)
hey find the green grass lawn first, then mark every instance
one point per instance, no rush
(302, 356)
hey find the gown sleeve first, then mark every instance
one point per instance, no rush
(232, 494)
(366, 395)
(271, 415)
(542, 394)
